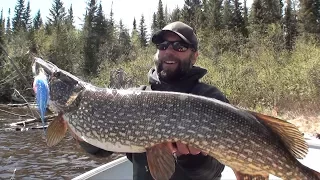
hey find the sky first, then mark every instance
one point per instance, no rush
(122, 9)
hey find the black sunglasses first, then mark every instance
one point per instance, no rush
(176, 45)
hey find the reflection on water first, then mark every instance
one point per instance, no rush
(24, 155)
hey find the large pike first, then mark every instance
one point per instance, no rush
(132, 121)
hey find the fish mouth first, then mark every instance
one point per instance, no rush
(47, 66)
(50, 69)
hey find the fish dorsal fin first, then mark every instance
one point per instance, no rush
(291, 136)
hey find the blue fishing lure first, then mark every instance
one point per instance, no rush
(41, 89)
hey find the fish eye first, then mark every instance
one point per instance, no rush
(56, 74)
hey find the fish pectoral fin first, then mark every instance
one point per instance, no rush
(56, 130)
(242, 176)
(291, 136)
(160, 161)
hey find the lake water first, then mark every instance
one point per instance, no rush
(24, 154)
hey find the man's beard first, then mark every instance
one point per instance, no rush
(169, 75)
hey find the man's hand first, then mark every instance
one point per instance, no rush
(179, 149)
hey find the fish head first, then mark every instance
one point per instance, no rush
(63, 86)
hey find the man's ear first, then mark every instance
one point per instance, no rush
(194, 57)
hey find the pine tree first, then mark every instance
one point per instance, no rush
(70, 18)
(143, 32)
(154, 25)
(160, 16)
(8, 26)
(111, 29)
(27, 20)
(214, 14)
(57, 14)
(227, 16)
(37, 21)
(245, 13)
(166, 15)
(2, 34)
(191, 13)
(309, 15)
(100, 27)
(134, 27)
(175, 15)
(134, 24)
(238, 18)
(90, 51)
(266, 11)
(124, 40)
(17, 21)
(290, 26)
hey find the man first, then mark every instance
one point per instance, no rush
(177, 52)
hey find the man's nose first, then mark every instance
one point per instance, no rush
(170, 49)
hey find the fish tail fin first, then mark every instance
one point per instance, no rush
(242, 176)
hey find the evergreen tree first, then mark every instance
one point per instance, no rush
(154, 25)
(134, 27)
(309, 15)
(166, 15)
(238, 18)
(143, 32)
(135, 39)
(37, 21)
(111, 29)
(134, 24)
(57, 14)
(245, 13)
(290, 26)
(100, 27)
(124, 40)
(191, 13)
(2, 34)
(175, 15)
(160, 16)
(27, 20)
(227, 16)
(267, 11)
(256, 16)
(17, 21)
(214, 14)
(8, 28)
(90, 51)
(70, 18)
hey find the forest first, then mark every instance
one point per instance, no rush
(263, 56)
